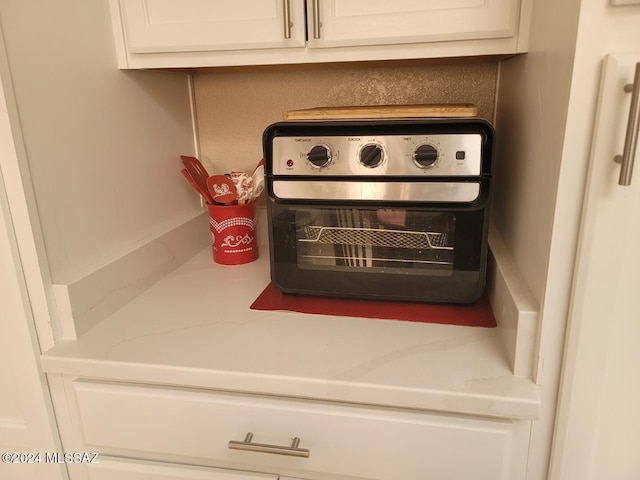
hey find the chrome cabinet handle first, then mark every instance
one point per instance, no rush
(294, 450)
(626, 160)
(287, 18)
(316, 19)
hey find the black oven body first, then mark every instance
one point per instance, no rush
(380, 209)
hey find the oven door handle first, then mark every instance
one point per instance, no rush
(401, 191)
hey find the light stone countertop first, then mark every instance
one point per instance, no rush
(194, 328)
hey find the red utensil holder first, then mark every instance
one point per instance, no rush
(233, 229)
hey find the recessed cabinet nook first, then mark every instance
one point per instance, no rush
(122, 337)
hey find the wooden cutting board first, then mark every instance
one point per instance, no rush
(384, 111)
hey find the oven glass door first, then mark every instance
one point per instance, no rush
(380, 240)
(396, 253)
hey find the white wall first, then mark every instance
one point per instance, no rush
(101, 145)
(235, 107)
(537, 214)
(27, 422)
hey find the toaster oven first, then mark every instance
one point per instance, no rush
(380, 209)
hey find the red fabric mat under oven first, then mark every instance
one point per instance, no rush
(476, 315)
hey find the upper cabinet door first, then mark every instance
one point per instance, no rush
(212, 33)
(379, 22)
(163, 26)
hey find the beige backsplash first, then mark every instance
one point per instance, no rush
(233, 108)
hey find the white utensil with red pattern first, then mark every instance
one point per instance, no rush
(244, 186)
(258, 180)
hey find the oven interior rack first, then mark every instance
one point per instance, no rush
(376, 237)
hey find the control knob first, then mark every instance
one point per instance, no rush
(371, 155)
(319, 156)
(425, 156)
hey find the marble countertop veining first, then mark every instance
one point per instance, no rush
(194, 328)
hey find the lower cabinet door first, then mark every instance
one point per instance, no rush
(112, 468)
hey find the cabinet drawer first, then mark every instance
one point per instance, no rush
(127, 469)
(342, 439)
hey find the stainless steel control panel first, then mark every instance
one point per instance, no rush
(414, 155)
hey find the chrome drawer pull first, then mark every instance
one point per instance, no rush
(247, 446)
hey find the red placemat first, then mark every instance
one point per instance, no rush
(477, 315)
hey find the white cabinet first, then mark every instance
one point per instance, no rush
(192, 426)
(153, 26)
(354, 22)
(129, 469)
(200, 33)
(179, 372)
(442, 387)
